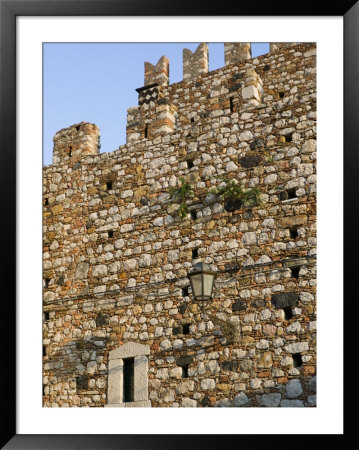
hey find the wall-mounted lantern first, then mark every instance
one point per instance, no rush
(202, 281)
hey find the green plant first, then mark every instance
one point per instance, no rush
(235, 196)
(268, 157)
(180, 195)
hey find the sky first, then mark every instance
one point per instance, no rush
(96, 82)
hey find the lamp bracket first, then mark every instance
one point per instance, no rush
(229, 330)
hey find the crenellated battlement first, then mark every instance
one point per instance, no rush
(236, 52)
(159, 73)
(195, 63)
(158, 112)
(76, 141)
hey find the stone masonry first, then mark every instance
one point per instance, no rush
(116, 254)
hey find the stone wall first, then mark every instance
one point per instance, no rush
(116, 253)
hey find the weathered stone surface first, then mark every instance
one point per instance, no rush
(239, 305)
(293, 221)
(189, 403)
(269, 400)
(184, 360)
(184, 386)
(240, 400)
(82, 270)
(291, 403)
(297, 347)
(284, 300)
(312, 385)
(294, 388)
(231, 366)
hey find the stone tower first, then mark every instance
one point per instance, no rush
(121, 325)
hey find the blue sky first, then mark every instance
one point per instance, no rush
(96, 82)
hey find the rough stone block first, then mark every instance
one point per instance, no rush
(285, 300)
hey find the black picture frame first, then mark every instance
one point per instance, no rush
(9, 10)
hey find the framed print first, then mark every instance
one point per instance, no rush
(178, 273)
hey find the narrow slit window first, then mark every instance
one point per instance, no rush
(46, 202)
(293, 232)
(193, 215)
(231, 106)
(146, 131)
(109, 185)
(281, 94)
(46, 282)
(288, 137)
(288, 313)
(192, 119)
(110, 234)
(295, 272)
(70, 151)
(128, 379)
(297, 360)
(46, 315)
(185, 328)
(43, 350)
(78, 128)
(185, 292)
(185, 371)
(195, 253)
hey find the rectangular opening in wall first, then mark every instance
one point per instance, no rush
(110, 234)
(195, 253)
(185, 291)
(46, 202)
(185, 371)
(297, 360)
(231, 106)
(281, 94)
(46, 282)
(43, 350)
(70, 151)
(288, 137)
(293, 232)
(192, 119)
(193, 214)
(109, 185)
(46, 315)
(295, 272)
(185, 328)
(289, 194)
(146, 131)
(288, 313)
(128, 379)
